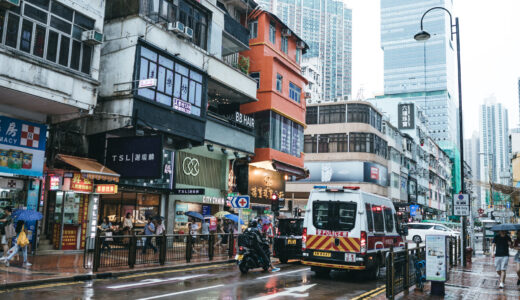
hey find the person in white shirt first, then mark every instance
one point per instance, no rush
(127, 222)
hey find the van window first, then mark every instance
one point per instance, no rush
(441, 228)
(389, 220)
(419, 226)
(379, 222)
(290, 226)
(330, 215)
(370, 220)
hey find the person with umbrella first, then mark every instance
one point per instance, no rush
(5, 222)
(500, 253)
(20, 242)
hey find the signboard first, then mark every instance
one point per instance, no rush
(188, 191)
(240, 202)
(54, 183)
(212, 224)
(242, 119)
(414, 210)
(213, 200)
(106, 189)
(461, 205)
(263, 183)
(22, 147)
(146, 83)
(502, 214)
(135, 157)
(81, 184)
(436, 258)
(206, 210)
(70, 237)
(183, 106)
(32, 204)
(197, 170)
(405, 116)
(346, 171)
(180, 209)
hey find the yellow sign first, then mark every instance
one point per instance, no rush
(291, 242)
(322, 254)
(106, 189)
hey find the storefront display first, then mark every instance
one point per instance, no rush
(68, 219)
(139, 205)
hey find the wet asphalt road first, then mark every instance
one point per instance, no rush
(210, 282)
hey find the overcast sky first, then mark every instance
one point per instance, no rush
(490, 50)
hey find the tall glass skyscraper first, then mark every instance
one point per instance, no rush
(326, 26)
(421, 71)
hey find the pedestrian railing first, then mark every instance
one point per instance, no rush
(405, 268)
(131, 250)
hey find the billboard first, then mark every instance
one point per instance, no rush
(22, 147)
(135, 157)
(347, 171)
(406, 116)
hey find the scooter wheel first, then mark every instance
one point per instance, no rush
(243, 268)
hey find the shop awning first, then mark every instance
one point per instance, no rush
(290, 169)
(90, 168)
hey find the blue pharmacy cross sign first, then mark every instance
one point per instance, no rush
(240, 202)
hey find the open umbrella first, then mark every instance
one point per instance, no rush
(194, 214)
(234, 218)
(221, 214)
(505, 227)
(27, 215)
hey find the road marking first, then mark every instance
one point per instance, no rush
(182, 292)
(175, 271)
(370, 293)
(296, 292)
(278, 274)
(152, 281)
(378, 293)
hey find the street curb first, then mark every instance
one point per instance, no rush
(85, 277)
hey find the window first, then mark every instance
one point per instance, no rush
(253, 29)
(256, 77)
(310, 144)
(279, 82)
(360, 142)
(330, 215)
(277, 132)
(332, 114)
(272, 33)
(178, 86)
(333, 143)
(299, 56)
(358, 113)
(379, 223)
(285, 44)
(295, 92)
(311, 115)
(370, 221)
(389, 221)
(323, 143)
(50, 30)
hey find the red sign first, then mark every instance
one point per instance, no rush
(374, 173)
(332, 233)
(70, 237)
(81, 184)
(54, 183)
(106, 189)
(212, 224)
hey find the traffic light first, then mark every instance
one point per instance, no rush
(274, 203)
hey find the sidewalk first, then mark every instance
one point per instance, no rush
(477, 280)
(69, 267)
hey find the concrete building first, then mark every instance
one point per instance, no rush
(326, 26)
(472, 158)
(422, 72)
(494, 145)
(50, 57)
(311, 69)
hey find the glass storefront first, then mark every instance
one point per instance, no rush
(139, 205)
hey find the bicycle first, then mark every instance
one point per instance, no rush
(420, 272)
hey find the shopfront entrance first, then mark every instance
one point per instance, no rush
(140, 206)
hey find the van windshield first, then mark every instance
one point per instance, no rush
(334, 215)
(290, 226)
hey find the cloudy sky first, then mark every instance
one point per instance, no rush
(490, 50)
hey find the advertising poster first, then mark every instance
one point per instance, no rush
(22, 147)
(32, 204)
(135, 157)
(436, 258)
(347, 171)
(181, 208)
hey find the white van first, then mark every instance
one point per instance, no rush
(345, 228)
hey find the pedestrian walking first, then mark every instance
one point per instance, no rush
(500, 252)
(159, 230)
(5, 222)
(106, 232)
(205, 229)
(149, 230)
(516, 246)
(20, 242)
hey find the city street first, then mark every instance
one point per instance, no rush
(210, 282)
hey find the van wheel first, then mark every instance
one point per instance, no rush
(283, 260)
(321, 272)
(416, 239)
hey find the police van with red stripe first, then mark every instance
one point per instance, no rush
(347, 229)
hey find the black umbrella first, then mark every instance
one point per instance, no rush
(505, 227)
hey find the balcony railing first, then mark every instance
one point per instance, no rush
(236, 29)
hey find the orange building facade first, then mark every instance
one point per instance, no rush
(275, 54)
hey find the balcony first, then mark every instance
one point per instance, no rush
(235, 37)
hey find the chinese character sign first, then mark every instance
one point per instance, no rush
(406, 116)
(81, 184)
(106, 189)
(135, 157)
(22, 147)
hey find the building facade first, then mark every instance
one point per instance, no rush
(423, 72)
(472, 157)
(311, 69)
(326, 26)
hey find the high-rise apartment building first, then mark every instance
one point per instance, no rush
(494, 143)
(472, 157)
(423, 72)
(326, 26)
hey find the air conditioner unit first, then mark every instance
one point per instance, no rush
(286, 32)
(300, 45)
(177, 27)
(188, 32)
(92, 37)
(9, 3)
(308, 95)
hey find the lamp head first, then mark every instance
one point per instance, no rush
(422, 36)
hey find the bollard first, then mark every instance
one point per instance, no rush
(97, 253)
(162, 248)
(407, 269)
(231, 244)
(189, 245)
(450, 252)
(132, 251)
(211, 246)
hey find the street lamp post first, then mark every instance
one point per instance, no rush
(423, 36)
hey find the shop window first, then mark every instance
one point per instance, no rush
(272, 33)
(178, 86)
(139, 205)
(295, 92)
(43, 26)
